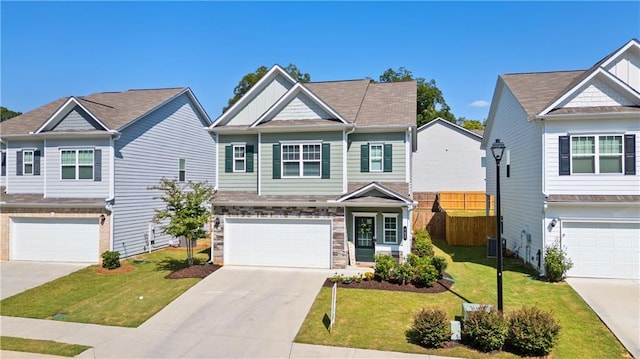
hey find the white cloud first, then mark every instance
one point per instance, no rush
(479, 103)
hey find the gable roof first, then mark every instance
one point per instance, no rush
(453, 126)
(114, 110)
(360, 195)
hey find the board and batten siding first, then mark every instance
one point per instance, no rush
(627, 69)
(57, 187)
(399, 157)
(301, 107)
(237, 181)
(262, 101)
(24, 183)
(301, 186)
(521, 193)
(147, 151)
(583, 183)
(448, 159)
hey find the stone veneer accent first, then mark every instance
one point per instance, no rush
(336, 214)
(6, 213)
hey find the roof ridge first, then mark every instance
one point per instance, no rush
(335, 81)
(159, 88)
(541, 72)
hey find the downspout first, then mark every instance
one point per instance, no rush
(44, 170)
(217, 162)
(259, 174)
(345, 169)
(112, 187)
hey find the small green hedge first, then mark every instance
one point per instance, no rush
(430, 328)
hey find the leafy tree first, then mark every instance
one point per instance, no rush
(186, 208)
(470, 124)
(430, 104)
(250, 79)
(6, 114)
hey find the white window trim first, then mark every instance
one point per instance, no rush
(596, 154)
(243, 159)
(364, 214)
(384, 229)
(24, 162)
(77, 165)
(301, 161)
(381, 157)
(182, 169)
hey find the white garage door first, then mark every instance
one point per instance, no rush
(278, 242)
(60, 240)
(603, 250)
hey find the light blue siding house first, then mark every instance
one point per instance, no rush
(314, 174)
(76, 172)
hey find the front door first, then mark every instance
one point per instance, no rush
(365, 229)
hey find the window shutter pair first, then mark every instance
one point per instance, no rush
(36, 163)
(629, 155)
(228, 158)
(387, 158)
(326, 161)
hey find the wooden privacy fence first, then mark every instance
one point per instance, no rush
(464, 201)
(470, 231)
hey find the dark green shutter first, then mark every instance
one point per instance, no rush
(564, 156)
(364, 158)
(388, 155)
(36, 162)
(629, 154)
(249, 156)
(97, 165)
(19, 163)
(326, 161)
(228, 158)
(276, 161)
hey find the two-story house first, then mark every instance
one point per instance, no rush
(76, 172)
(314, 174)
(570, 175)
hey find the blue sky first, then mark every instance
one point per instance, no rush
(55, 49)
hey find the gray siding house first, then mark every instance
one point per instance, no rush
(314, 174)
(76, 172)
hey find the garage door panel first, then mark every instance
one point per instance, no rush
(278, 242)
(44, 239)
(603, 249)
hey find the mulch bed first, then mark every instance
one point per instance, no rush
(442, 285)
(195, 271)
(125, 267)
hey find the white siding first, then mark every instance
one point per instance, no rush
(521, 193)
(301, 108)
(24, 183)
(263, 100)
(57, 187)
(447, 159)
(147, 151)
(597, 93)
(601, 184)
(627, 68)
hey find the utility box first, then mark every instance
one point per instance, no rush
(492, 247)
(456, 330)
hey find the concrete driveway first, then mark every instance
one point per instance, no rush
(236, 312)
(617, 303)
(18, 276)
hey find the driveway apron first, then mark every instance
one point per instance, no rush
(617, 303)
(18, 276)
(236, 312)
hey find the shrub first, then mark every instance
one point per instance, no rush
(440, 263)
(532, 331)
(357, 277)
(556, 263)
(403, 273)
(430, 328)
(425, 275)
(111, 260)
(422, 245)
(485, 329)
(369, 275)
(337, 278)
(384, 266)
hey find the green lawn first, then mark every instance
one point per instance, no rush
(41, 346)
(378, 319)
(86, 296)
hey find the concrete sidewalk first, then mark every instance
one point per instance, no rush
(617, 303)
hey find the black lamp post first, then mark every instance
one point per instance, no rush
(497, 149)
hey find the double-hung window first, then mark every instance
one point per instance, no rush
(239, 158)
(596, 154)
(27, 162)
(76, 164)
(182, 169)
(376, 158)
(390, 228)
(301, 160)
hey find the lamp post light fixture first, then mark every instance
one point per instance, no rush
(497, 149)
